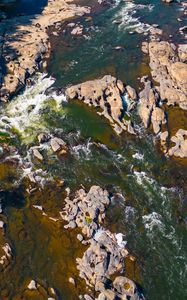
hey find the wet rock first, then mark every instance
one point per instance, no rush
(78, 30)
(107, 94)
(164, 137)
(57, 144)
(106, 252)
(2, 224)
(131, 92)
(80, 237)
(37, 154)
(43, 137)
(72, 281)
(32, 285)
(123, 285)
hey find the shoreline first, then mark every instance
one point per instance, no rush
(22, 64)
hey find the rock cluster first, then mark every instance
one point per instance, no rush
(106, 252)
(109, 95)
(24, 48)
(169, 69)
(56, 144)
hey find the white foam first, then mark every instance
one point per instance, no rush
(138, 156)
(121, 243)
(152, 221)
(23, 112)
(126, 15)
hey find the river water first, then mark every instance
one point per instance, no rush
(152, 217)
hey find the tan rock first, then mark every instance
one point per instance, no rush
(179, 72)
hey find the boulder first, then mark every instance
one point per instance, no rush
(131, 92)
(37, 154)
(57, 144)
(180, 148)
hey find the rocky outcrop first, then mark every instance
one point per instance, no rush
(108, 94)
(26, 42)
(169, 69)
(180, 140)
(149, 107)
(106, 252)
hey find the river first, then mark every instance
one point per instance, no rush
(152, 217)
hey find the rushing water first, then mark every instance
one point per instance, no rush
(153, 214)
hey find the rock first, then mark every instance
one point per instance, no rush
(107, 295)
(37, 154)
(30, 42)
(182, 52)
(145, 47)
(106, 93)
(43, 137)
(180, 148)
(57, 144)
(179, 72)
(163, 137)
(32, 285)
(167, 1)
(2, 224)
(106, 251)
(123, 285)
(87, 297)
(158, 119)
(169, 72)
(71, 280)
(80, 237)
(78, 30)
(131, 92)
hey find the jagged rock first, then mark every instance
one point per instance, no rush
(58, 144)
(78, 30)
(131, 92)
(163, 137)
(106, 93)
(158, 119)
(43, 137)
(37, 154)
(169, 72)
(106, 252)
(124, 285)
(32, 285)
(149, 109)
(71, 280)
(180, 148)
(25, 43)
(182, 52)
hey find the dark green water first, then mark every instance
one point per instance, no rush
(153, 215)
